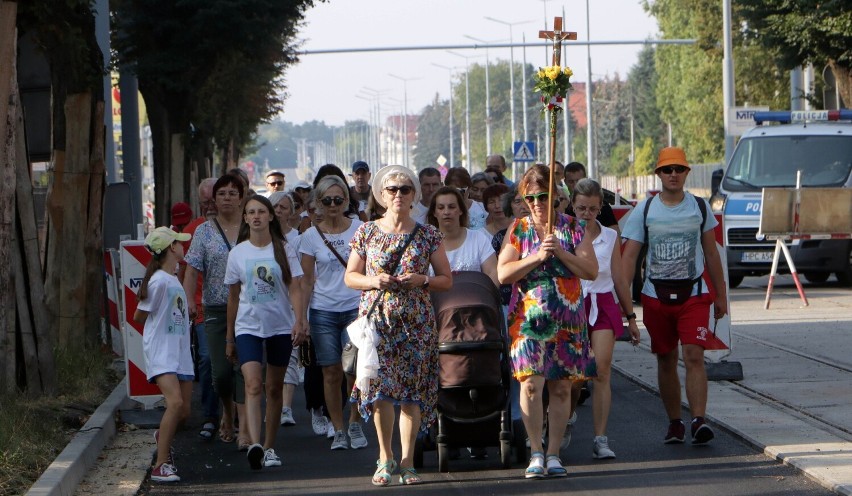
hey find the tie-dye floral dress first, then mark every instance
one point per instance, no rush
(547, 322)
(405, 321)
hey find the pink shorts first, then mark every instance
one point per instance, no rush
(668, 324)
(609, 313)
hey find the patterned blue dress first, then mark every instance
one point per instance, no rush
(405, 322)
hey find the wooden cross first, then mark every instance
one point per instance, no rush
(557, 35)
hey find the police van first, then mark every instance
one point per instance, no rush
(818, 143)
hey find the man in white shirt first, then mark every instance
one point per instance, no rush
(430, 182)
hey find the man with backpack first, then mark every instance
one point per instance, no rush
(675, 298)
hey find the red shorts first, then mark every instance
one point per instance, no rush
(609, 314)
(668, 324)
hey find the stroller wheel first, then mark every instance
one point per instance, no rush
(418, 453)
(443, 457)
(505, 454)
(519, 437)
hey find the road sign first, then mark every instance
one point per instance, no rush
(524, 151)
(741, 119)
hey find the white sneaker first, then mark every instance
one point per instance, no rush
(566, 438)
(601, 448)
(319, 422)
(270, 459)
(329, 432)
(340, 442)
(287, 416)
(357, 439)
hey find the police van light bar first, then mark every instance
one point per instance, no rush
(788, 116)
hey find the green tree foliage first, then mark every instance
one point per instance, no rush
(645, 158)
(803, 31)
(642, 80)
(611, 116)
(216, 65)
(689, 87)
(433, 138)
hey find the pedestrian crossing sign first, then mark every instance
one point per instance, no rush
(524, 151)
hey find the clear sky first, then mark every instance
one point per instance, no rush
(323, 86)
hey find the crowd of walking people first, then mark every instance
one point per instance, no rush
(283, 289)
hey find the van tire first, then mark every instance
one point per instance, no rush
(817, 277)
(844, 277)
(734, 280)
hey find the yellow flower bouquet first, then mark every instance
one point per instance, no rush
(553, 82)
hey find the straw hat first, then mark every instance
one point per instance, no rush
(378, 182)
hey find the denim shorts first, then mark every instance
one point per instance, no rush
(180, 377)
(278, 348)
(328, 334)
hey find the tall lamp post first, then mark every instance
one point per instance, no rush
(487, 94)
(592, 165)
(377, 94)
(405, 148)
(511, 71)
(467, 153)
(452, 145)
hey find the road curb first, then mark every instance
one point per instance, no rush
(69, 468)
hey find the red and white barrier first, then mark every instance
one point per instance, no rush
(113, 317)
(134, 259)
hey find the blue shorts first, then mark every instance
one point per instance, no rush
(328, 334)
(278, 348)
(180, 377)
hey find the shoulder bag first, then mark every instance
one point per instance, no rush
(349, 357)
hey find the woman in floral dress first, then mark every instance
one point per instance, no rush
(407, 347)
(547, 322)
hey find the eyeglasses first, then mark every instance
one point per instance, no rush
(306, 190)
(275, 183)
(583, 208)
(668, 169)
(337, 200)
(540, 197)
(402, 189)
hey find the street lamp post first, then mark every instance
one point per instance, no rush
(377, 94)
(452, 145)
(592, 166)
(405, 149)
(511, 76)
(487, 95)
(467, 153)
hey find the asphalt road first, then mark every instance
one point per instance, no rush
(637, 425)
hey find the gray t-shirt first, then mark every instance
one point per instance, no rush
(674, 249)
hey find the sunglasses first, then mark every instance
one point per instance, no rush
(306, 190)
(402, 189)
(668, 169)
(583, 208)
(275, 183)
(540, 197)
(328, 200)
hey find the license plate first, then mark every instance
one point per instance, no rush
(757, 256)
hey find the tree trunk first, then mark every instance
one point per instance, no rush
(843, 76)
(67, 206)
(8, 76)
(93, 241)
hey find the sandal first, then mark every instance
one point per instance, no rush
(207, 431)
(382, 476)
(554, 467)
(536, 467)
(243, 444)
(408, 476)
(227, 435)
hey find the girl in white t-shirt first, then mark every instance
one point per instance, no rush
(265, 310)
(467, 249)
(163, 311)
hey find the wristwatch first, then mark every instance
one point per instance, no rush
(631, 316)
(426, 283)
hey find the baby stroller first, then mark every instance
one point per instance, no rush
(473, 394)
